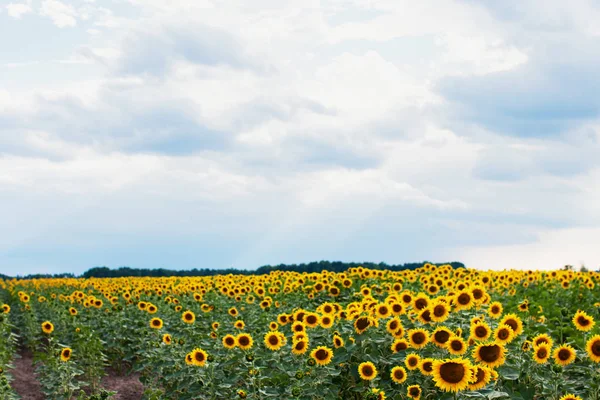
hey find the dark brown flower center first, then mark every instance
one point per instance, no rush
(489, 353)
(596, 348)
(418, 337)
(439, 311)
(464, 299)
(367, 370)
(420, 304)
(452, 372)
(542, 352)
(362, 323)
(273, 340)
(456, 345)
(481, 331)
(321, 354)
(564, 354)
(441, 336)
(583, 321)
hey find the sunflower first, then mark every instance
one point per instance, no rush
(300, 347)
(362, 324)
(167, 339)
(481, 377)
(439, 311)
(398, 374)
(491, 354)
(73, 311)
(188, 317)
(152, 309)
(233, 312)
(239, 324)
(480, 331)
(199, 357)
(322, 355)
(338, 341)
(244, 341)
(504, 334)
(412, 361)
(514, 322)
(592, 348)
(541, 353)
(298, 327)
(440, 336)
(142, 305)
(156, 323)
(414, 392)
(367, 370)
(570, 397)
(583, 322)
(542, 339)
(188, 359)
(5, 308)
(274, 340)
(452, 375)
(283, 319)
(393, 325)
(383, 311)
(326, 321)
(215, 325)
(463, 300)
(399, 345)
(228, 341)
(421, 301)
(65, 354)
(47, 327)
(418, 338)
(564, 355)
(311, 320)
(456, 346)
(426, 366)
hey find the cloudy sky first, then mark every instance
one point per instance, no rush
(209, 133)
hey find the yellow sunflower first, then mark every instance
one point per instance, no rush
(440, 336)
(414, 392)
(542, 339)
(399, 345)
(570, 397)
(495, 310)
(504, 334)
(274, 340)
(514, 322)
(564, 355)
(188, 317)
(426, 366)
(300, 347)
(412, 361)
(439, 311)
(228, 341)
(398, 374)
(338, 341)
(167, 339)
(199, 357)
(393, 325)
(456, 346)
(592, 348)
(418, 338)
(156, 323)
(541, 353)
(47, 327)
(481, 377)
(65, 354)
(244, 341)
(322, 355)
(367, 371)
(583, 322)
(452, 375)
(480, 331)
(491, 354)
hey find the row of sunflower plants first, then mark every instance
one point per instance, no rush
(8, 352)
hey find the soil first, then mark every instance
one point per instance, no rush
(127, 387)
(27, 386)
(24, 381)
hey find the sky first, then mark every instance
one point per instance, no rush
(214, 134)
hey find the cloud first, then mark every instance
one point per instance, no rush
(17, 10)
(62, 15)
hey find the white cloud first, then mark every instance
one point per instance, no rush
(62, 15)
(16, 10)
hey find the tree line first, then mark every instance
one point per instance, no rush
(315, 266)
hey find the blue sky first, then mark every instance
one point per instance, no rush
(205, 133)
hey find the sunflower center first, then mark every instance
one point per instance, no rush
(495, 309)
(480, 375)
(414, 391)
(393, 325)
(441, 336)
(311, 319)
(426, 315)
(321, 354)
(428, 366)
(480, 331)
(542, 352)
(540, 341)
(412, 361)
(564, 354)
(596, 348)
(367, 370)
(512, 323)
(362, 323)
(199, 357)
(583, 321)
(229, 341)
(477, 294)
(397, 308)
(188, 317)
(489, 353)
(456, 345)
(418, 337)
(399, 374)
(464, 299)
(439, 311)
(274, 340)
(452, 372)
(420, 304)
(503, 334)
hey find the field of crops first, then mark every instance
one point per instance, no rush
(431, 333)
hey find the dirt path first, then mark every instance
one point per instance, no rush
(128, 387)
(25, 383)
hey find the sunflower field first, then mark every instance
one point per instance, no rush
(430, 333)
